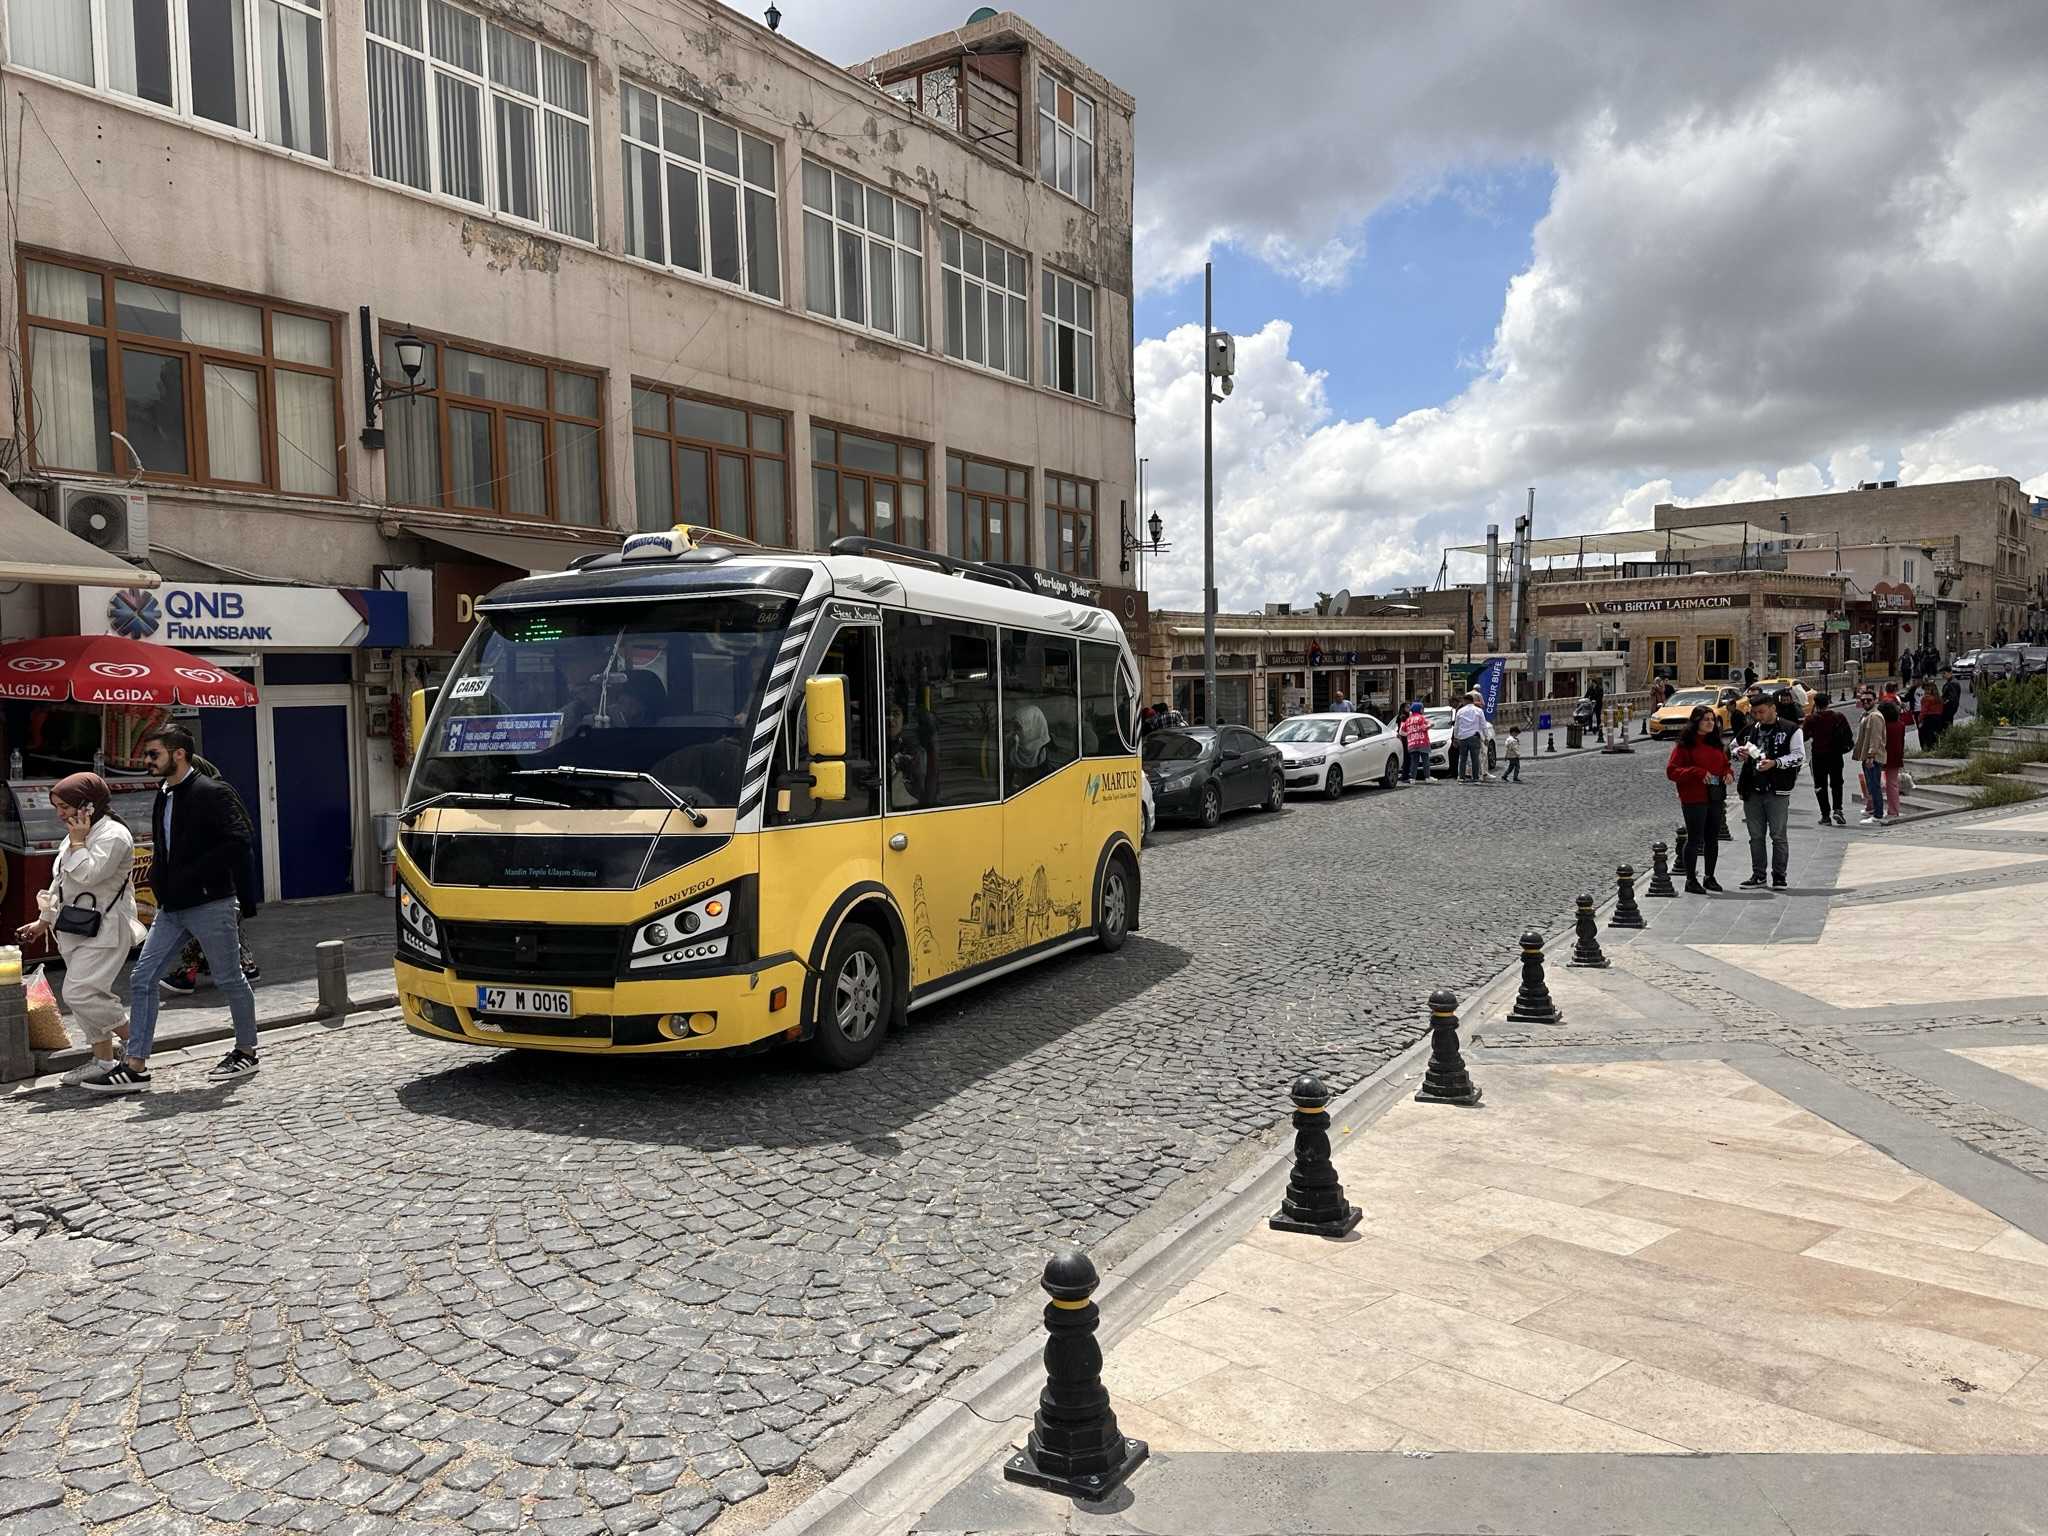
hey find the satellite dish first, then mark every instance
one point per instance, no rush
(1340, 605)
(982, 13)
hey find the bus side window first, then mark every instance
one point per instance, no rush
(944, 741)
(1041, 701)
(1105, 701)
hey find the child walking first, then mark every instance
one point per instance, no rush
(1512, 774)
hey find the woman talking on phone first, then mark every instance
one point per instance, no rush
(90, 910)
(1697, 765)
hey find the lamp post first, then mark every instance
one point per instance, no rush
(1219, 361)
(1132, 544)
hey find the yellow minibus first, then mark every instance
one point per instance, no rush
(694, 797)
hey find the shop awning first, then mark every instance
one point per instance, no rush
(1641, 541)
(518, 551)
(32, 548)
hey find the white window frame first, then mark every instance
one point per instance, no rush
(835, 309)
(1051, 285)
(1076, 140)
(320, 11)
(486, 120)
(967, 278)
(705, 173)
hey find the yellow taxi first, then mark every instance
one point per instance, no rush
(1670, 718)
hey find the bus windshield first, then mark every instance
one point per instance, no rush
(662, 688)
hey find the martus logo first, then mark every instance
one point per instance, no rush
(1122, 781)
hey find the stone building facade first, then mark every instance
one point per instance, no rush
(1270, 666)
(1997, 547)
(663, 265)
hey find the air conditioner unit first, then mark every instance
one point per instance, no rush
(109, 517)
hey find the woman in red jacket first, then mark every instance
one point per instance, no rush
(1697, 764)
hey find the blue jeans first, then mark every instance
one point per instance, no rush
(1873, 789)
(1467, 749)
(216, 925)
(1417, 769)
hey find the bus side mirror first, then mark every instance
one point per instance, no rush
(825, 716)
(828, 781)
(422, 703)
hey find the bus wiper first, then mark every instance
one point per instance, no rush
(571, 771)
(412, 812)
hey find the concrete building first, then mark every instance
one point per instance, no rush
(1272, 665)
(614, 268)
(1989, 551)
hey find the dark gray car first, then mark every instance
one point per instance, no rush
(1199, 773)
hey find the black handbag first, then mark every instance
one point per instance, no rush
(81, 922)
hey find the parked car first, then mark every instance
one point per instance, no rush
(1440, 721)
(1148, 818)
(1329, 753)
(2033, 660)
(1199, 773)
(1998, 664)
(1965, 665)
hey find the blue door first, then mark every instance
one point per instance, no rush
(227, 739)
(315, 822)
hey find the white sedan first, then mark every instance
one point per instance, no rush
(1328, 753)
(1440, 722)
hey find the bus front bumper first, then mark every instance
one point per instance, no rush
(702, 1013)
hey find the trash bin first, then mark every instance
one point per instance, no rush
(385, 824)
(1574, 736)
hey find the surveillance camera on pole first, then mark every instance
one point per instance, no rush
(1222, 358)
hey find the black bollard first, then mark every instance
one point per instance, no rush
(1721, 813)
(1315, 1200)
(1683, 838)
(1551, 740)
(1626, 913)
(1532, 1001)
(1586, 953)
(1075, 1446)
(1660, 872)
(1446, 1081)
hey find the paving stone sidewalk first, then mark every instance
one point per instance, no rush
(1775, 1189)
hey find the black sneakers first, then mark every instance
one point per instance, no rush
(177, 983)
(118, 1077)
(1754, 882)
(1712, 884)
(1693, 887)
(234, 1066)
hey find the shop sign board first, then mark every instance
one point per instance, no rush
(209, 616)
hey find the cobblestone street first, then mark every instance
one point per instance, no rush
(394, 1286)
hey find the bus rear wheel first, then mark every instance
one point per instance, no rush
(856, 995)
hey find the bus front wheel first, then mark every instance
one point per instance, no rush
(855, 998)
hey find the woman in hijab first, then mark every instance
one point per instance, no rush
(92, 873)
(1029, 738)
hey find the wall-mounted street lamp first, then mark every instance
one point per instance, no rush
(412, 362)
(774, 19)
(1132, 544)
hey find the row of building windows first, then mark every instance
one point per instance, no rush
(465, 108)
(246, 394)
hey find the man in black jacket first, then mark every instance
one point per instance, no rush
(200, 839)
(1770, 767)
(1951, 701)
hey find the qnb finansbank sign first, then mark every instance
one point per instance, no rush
(253, 617)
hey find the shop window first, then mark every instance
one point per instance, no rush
(986, 507)
(1070, 524)
(1717, 658)
(1664, 657)
(495, 432)
(715, 463)
(986, 319)
(1041, 708)
(939, 681)
(868, 486)
(700, 194)
(863, 255)
(466, 108)
(224, 391)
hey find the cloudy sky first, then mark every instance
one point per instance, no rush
(1623, 252)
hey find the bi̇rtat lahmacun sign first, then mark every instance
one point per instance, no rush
(189, 614)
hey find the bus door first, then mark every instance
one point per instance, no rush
(942, 819)
(1050, 873)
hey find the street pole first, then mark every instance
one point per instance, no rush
(1208, 508)
(1141, 521)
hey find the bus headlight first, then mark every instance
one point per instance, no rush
(417, 929)
(693, 933)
